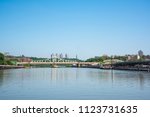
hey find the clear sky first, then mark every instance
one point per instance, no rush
(87, 28)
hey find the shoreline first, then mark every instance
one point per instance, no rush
(119, 68)
(2, 67)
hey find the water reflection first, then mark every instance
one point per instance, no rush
(1, 77)
(58, 74)
(131, 77)
(141, 78)
(73, 83)
(112, 76)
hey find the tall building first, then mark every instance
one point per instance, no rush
(61, 55)
(66, 56)
(76, 57)
(52, 55)
(56, 56)
(140, 53)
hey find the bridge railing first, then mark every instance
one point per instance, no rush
(63, 62)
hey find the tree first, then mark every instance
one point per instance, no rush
(2, 59)
(97, 59)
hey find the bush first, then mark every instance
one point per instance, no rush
(2, 59)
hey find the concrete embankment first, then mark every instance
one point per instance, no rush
(119, 68)
(132, 69)
(10, 67)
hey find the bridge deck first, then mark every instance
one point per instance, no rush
(58, 63)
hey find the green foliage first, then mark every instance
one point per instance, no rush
(102, 58)
(123, 58)
(97, 59)
(2, 59)
(73, 59)
(27, 65)
(36, 59)
(8, 62)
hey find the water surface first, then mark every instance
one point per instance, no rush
(73, 83)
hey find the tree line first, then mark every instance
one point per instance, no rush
(101, 59)
(4, 61)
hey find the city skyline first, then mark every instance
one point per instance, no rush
(85, 28)
(136, 56)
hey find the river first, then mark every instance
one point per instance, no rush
(73, 84)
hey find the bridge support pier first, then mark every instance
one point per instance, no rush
(78, 65)
(54, 66)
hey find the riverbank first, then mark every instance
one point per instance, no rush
(96, 67)
(147, 69)
(132, 69)
(10, 67)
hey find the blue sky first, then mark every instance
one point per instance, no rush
(84, 27)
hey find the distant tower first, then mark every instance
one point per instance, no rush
(140, 54)
(56, 55)
(61, 55)
(66, 56)
(52, 56)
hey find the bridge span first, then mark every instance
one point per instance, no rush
(57, 63)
